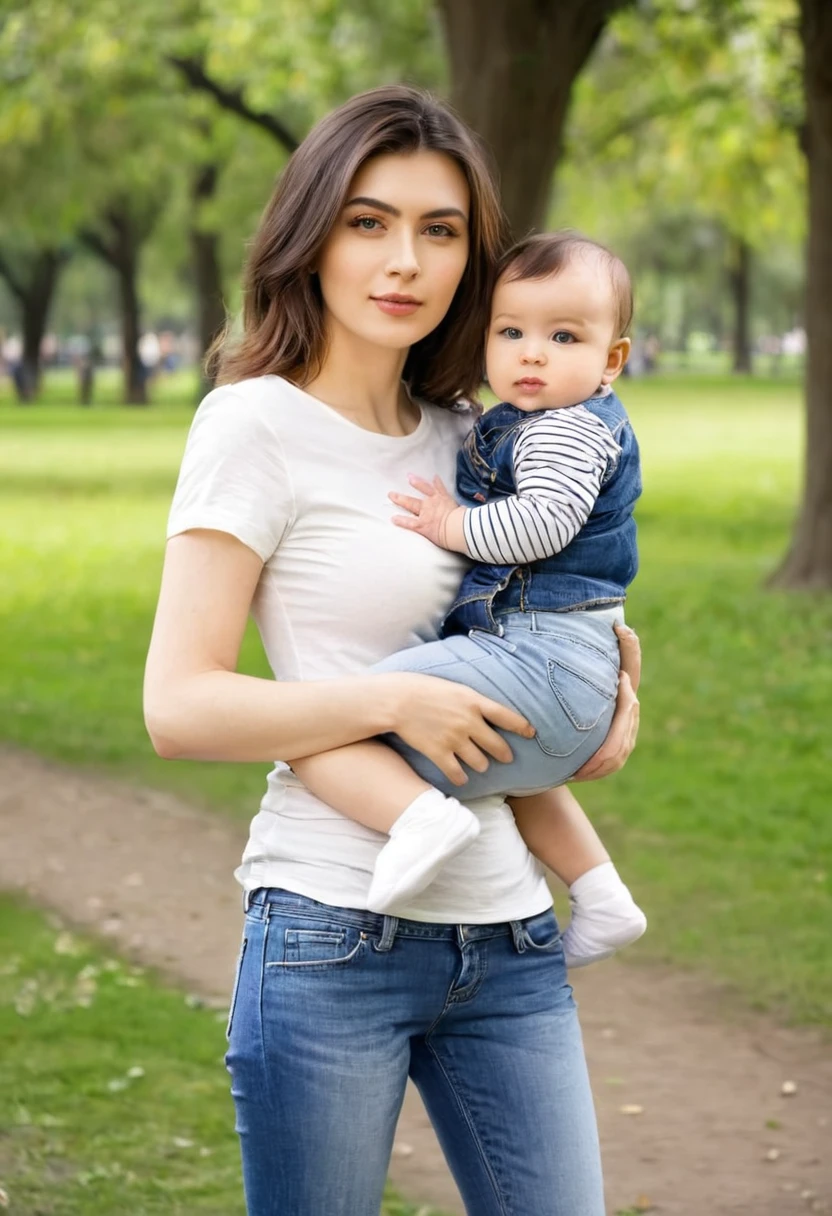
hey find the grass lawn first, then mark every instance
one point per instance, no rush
(721, 820)
(113, 1096)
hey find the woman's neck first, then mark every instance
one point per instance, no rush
(363, 382)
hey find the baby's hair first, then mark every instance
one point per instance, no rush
(546, 253)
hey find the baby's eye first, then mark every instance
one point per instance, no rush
(511, 332)
(563, 337)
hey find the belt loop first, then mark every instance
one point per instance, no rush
(246, 901)
(518, 935)
(389, 930)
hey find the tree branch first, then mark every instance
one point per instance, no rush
(94, 243)
(232, 99)
(631, 124)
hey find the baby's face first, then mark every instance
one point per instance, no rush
(552, 342)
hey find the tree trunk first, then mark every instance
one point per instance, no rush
(808, 564)
(740, 279)
(205, 256)
(42, 283)
(33, 286)
(513, 64)
(118, 242)
(135, 377)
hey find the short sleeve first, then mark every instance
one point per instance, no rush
(233, 476)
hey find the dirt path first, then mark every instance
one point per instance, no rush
(709, 1132)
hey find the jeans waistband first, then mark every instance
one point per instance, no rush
(540, 621)
(268, 901)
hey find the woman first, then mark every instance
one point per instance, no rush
(367, 295)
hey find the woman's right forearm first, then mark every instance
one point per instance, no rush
(221, 715)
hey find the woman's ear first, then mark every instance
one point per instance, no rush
(618, 355)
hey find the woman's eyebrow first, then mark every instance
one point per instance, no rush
(437, 214)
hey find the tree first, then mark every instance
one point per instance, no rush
(808, 564)
(513, 65)
(31, 276)
(711, 136)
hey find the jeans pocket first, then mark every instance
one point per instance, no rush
(541, 934)
(235, 988)
(585, 683)
(318, 949)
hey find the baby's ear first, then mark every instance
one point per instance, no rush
(618, 355)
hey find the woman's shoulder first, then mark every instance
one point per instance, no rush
(260, 408)
(258, 393)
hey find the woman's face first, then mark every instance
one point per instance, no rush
(391, 264)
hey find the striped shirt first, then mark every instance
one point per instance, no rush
(561, 458)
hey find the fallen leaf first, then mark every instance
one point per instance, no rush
(182, 1142)
(4, 1198)
(631, 1108)
(788, 1088)
(772, 1154)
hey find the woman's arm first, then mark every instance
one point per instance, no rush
(198, 707)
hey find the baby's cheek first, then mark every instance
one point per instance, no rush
(498, 370)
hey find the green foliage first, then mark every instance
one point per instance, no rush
(720, 821)
(683, 137)
(113, 1094)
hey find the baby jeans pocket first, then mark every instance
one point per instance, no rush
(584, 681)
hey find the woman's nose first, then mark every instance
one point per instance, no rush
(403, 260)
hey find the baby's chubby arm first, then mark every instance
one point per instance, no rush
(560, 460)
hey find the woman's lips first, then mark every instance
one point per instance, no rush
(397, 306)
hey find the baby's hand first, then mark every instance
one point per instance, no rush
(437, 516)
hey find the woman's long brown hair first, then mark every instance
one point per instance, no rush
(283, 321)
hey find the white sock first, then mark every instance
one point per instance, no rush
(604, 916)
(429, 832)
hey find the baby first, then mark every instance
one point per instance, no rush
(547, 481)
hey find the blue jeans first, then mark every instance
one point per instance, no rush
(334, 1008)
(558, 669)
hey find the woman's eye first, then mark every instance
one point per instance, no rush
(367, 223)
(563, 337)
(512, 333)
(440, 230)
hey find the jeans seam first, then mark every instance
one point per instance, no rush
(261, 1018)
(466, 1114)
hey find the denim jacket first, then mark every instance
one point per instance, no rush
(593, 571)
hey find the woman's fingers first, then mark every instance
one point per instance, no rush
(505, 718)
(473, 757)
(630, 651)
(621, 737)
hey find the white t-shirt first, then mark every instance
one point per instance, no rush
(341, 589)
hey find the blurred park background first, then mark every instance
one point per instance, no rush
(139, 141)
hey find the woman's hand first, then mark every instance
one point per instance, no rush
(621, 738)
(450, 723)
